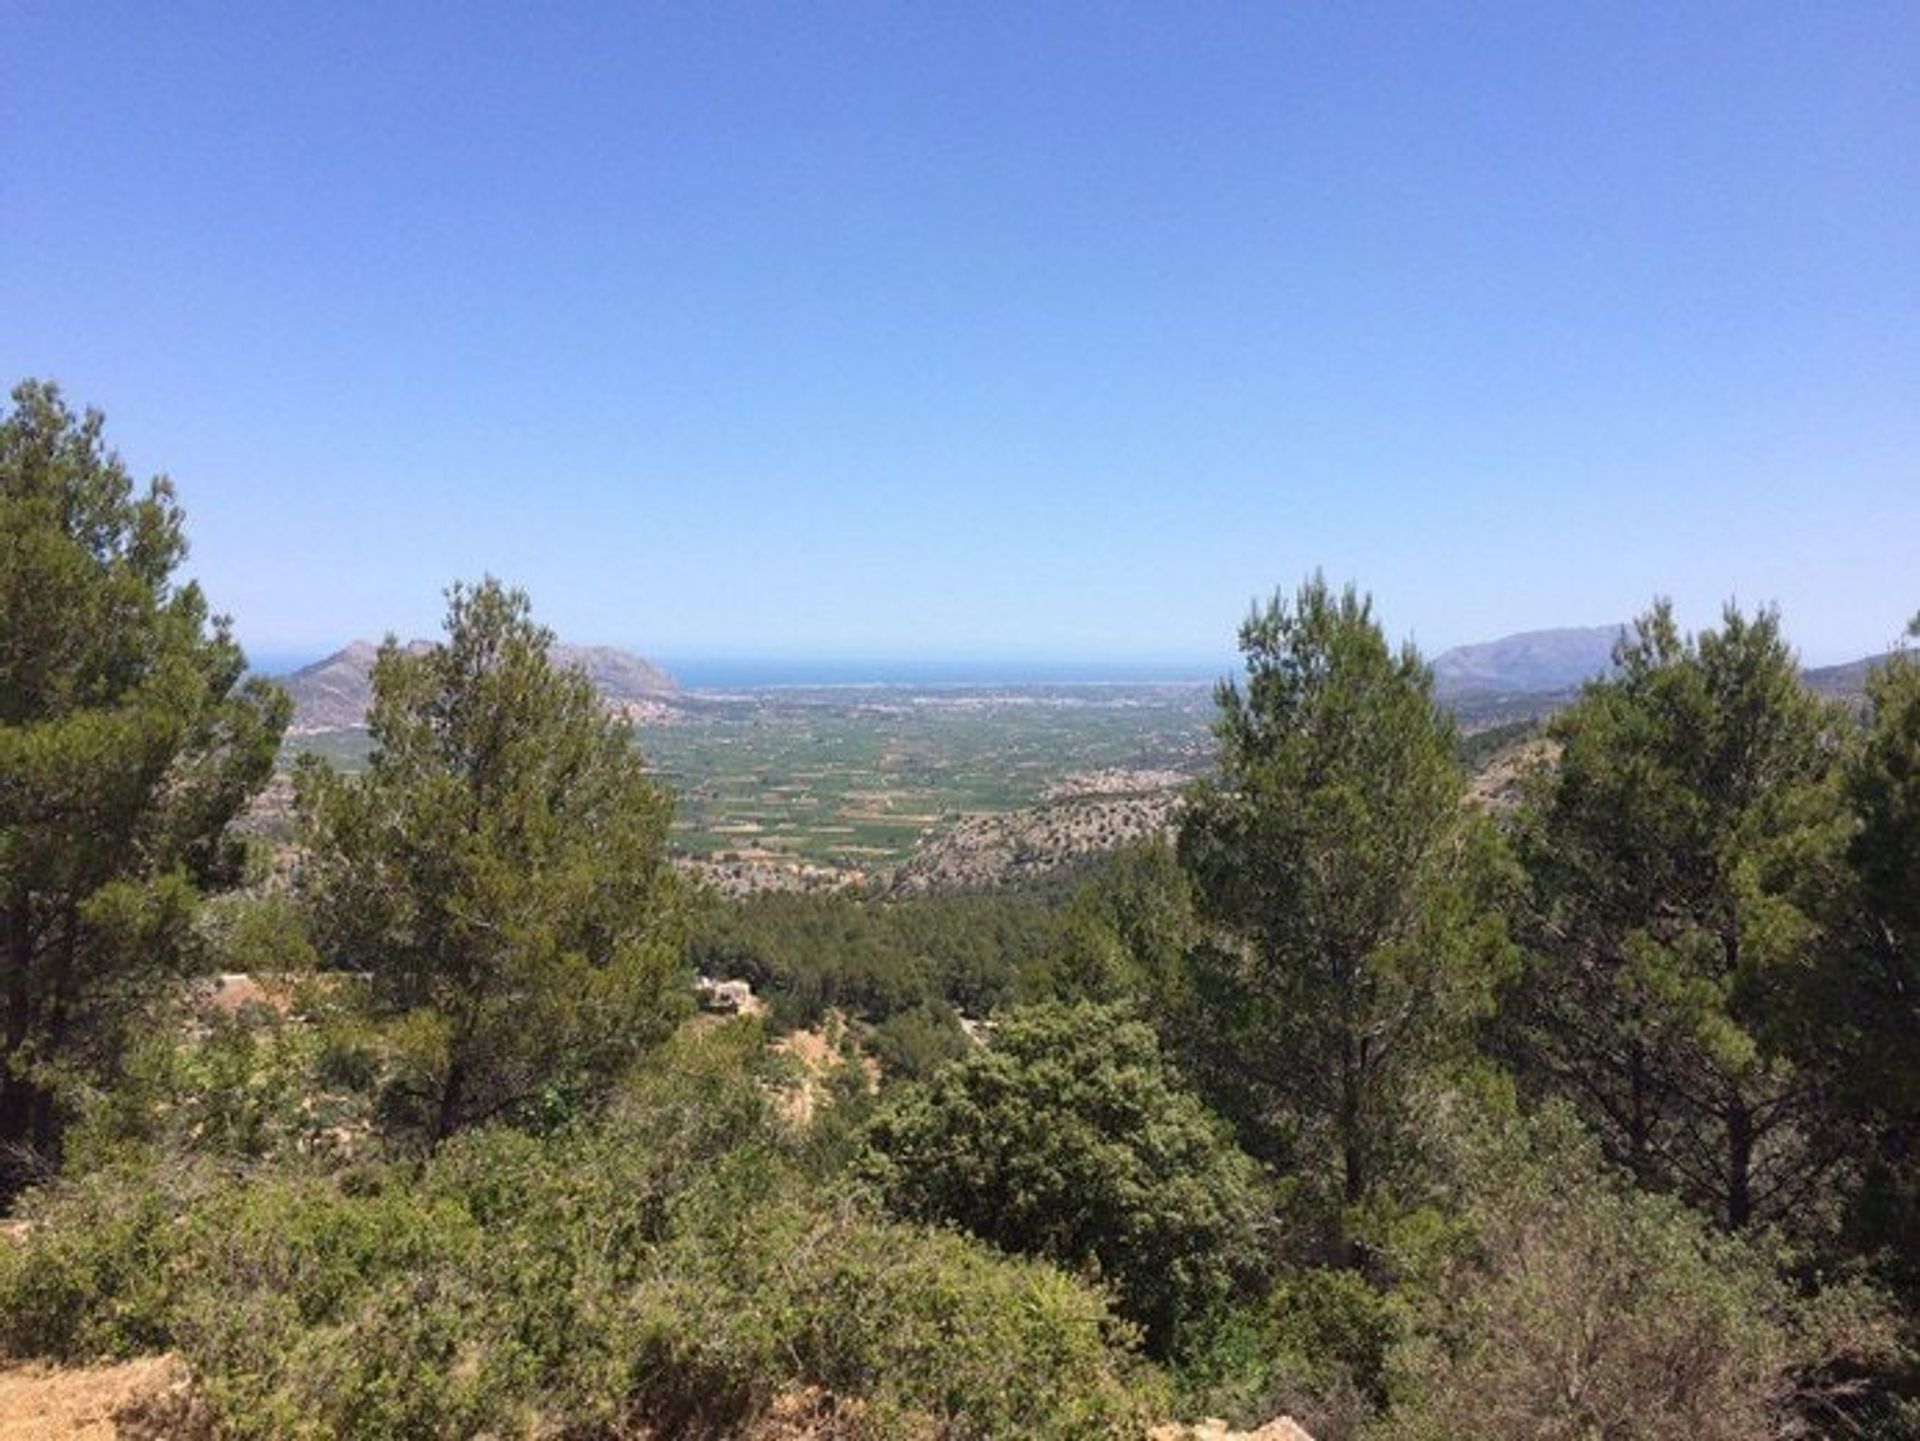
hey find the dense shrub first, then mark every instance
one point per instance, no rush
(310, 1309)
(242, 1089)
(1315, 1348)
(1067, 1137)
(88, 1276)
(912, 1045)
(1570, 1305)
(669, 1266)
(931, 1330)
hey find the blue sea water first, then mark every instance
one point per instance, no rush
(737, 673)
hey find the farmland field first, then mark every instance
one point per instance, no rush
(856, 777)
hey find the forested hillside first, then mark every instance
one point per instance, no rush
(1591, 1113)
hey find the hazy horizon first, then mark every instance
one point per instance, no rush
(743, 672)
(989, 332)
(800, 669)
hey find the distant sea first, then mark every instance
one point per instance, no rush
(732, 673)
(281, 662)
(736, 673)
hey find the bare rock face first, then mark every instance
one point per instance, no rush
(617, 674)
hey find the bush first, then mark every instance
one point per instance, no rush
(668, 1268)
(1572, 1305)
(1315, 1348)
(934, 1332)
(1067, 1138)
(310, 1309)
(912, 1045)
(89, 1276)
(242, 1089)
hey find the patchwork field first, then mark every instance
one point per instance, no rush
(856, 778)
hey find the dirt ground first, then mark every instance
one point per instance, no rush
(81, 1403)
(145, 1400)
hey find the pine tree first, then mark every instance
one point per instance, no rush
(1350, 889)
(1670, 853)
(1871, 988)
(129, 741)
(500, 870)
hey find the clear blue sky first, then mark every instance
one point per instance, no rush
(968, 329)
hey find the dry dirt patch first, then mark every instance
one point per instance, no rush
(87, 1403)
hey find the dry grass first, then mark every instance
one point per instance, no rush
(142, 1398)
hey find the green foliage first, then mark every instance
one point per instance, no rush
(1871, 995)
(286, 1271)
(1883, 785)
(221, 1072)
(1352, 895)
(935, 1333)
(244, 1091)
(1478, 748)
(665, 1268)
(1066, 1137)
(258, 933)
(1130, 928)
(1120, 928)
(912, 1045)
(128, 742)
(1570, 1305)
(1677, 855)
(1315, 1348)
(871, 959)
(88, 1277)
(500, 868)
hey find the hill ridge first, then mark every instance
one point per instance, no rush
(334, 692)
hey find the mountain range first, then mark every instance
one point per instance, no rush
(333, 694)
(1524, 676)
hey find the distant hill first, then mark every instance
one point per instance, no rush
(1534, 662)
(1843, 682)
(617, 674)
(333, 694)
(1523, 677)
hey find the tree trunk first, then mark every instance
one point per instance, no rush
(1353, 1162)
(1739, 1118)
(1639, 1123)
(446, 1115)
(1739, 1163)
(16, 1091)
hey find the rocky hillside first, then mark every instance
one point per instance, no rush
(984, 851)
(333, 694)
